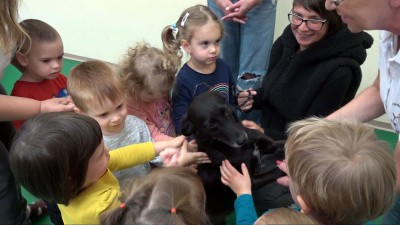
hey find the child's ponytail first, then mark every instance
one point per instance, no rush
(171, 44)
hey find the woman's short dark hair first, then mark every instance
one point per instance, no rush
(50, 154)
(333, 19)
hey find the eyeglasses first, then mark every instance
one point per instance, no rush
(312, 24)
(337, 2)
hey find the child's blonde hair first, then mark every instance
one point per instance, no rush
(191, 18)
(148, 73)
(92, 83)
(284, 216)
(10, 31)
(170, 196)
(342, 172)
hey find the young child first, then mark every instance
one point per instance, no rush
(147, 77)
(41, 63)
(339, 173)
(285, 216)
(72, 167)
(96, 91)
(198, 31)
(169, 196)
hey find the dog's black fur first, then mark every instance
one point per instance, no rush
(220, 134)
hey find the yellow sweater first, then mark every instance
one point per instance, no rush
(87, 206)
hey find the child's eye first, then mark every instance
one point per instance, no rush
(46, 60)
(205, 43)
(103, 115)
(120, 106)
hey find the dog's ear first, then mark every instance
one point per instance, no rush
(187, 127)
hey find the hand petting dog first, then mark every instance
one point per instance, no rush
(239, 183)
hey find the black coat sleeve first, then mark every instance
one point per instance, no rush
(333, 93)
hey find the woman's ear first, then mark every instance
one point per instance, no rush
(186, 46)
(303, 205)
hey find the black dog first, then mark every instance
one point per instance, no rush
(219, 133)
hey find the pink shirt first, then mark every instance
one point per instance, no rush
(157, 116)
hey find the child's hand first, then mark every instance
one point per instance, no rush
(160, 146)
(169, 157)
(239, 183)
(189, 155)
(176, 142)
(284, 181)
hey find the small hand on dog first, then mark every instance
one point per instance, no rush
(239, 183)
(185, 156)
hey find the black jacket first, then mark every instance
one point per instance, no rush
(314, 82)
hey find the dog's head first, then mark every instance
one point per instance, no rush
(210, 116)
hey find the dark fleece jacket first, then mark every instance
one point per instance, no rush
(314, 82)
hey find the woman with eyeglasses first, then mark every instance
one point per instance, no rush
(314, 69)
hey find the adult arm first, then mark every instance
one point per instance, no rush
(17, 108)
(364, 107)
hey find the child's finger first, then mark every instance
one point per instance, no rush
(244, 170)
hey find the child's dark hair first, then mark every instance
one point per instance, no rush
(38, 31)
(168, 196)
(190, 18)
(51, 152)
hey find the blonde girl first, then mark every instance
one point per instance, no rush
(199, 32)
(147, 77)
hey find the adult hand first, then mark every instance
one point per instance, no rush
(284, 181)
(56, 105)
(227, 9)
(245, 99)
(239, 183)
(252, 125)
(224, 5)
(239, 10)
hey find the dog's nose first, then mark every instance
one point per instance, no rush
(241, 140)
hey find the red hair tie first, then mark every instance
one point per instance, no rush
(173, 210)
(122, 206)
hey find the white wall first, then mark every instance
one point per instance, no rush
(104, 29)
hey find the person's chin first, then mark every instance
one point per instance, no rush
(354, 29)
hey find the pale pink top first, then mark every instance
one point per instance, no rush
(157, 116)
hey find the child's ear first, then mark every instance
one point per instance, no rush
(77, 110)
(22, 59)
(186, 46)
(303, 205)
